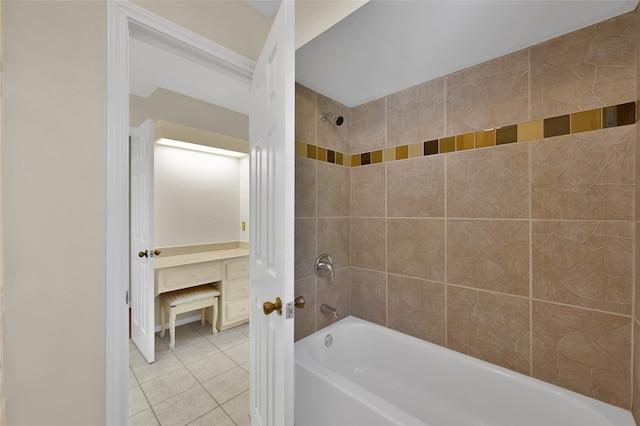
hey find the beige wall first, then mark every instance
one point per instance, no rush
(520, 254)
(54, 211)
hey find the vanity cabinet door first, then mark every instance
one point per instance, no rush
(233, 303)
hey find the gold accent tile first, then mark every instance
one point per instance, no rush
(301, 149)
(376, 157)
(402, 152)
(355, 160)
(506, 134)
(340, 158)
(485, 138)
(586, 121)
(388, 154)
(557, 126)
(431, 147)
(311, 152)
(447, 144)
(322, 154)
(530, 131)
(416, 150)
(619, 115)
(465, 141)
(365, 158)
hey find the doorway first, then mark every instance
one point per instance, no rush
(126, 19)
(200, 200)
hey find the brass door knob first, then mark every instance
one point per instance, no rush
(143, 253)
(299, 302)
(269, 307)
(157, 252)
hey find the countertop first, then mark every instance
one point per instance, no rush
(205, 256)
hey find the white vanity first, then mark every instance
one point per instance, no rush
(227, 268)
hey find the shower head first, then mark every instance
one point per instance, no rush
(338, 119)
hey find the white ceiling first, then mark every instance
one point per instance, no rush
(387, 46)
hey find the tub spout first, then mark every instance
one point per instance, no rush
(326, 309)
(324, 266)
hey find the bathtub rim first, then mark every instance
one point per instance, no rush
(302, 357)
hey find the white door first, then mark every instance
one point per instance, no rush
(272, 223)
(141, 251)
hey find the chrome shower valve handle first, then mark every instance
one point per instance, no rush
(324, 266)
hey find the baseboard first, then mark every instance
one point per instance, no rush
(182, 321)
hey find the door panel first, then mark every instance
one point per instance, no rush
(272, 219)
(141, 193)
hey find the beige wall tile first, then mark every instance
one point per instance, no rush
(305, 247)
(489, 183)
(489, 326)
(585, 69)
(333, 239)
(416, 114)
(637, 274)
(333, 190)
(492, 94)
(417, 307)
(369, 295)
(489, 254)
(305, 187)
(415, 188)
(330, 135)
(368, 195)
(306, 116)
(584, 176)
(588, 264)
(369, 243)
(416, 248)
(367, 127)
(636, 372)
(336, 295)
(305, 323)
(637, 171)
(584, 351)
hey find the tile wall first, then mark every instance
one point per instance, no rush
(491, 211)
(636, 308)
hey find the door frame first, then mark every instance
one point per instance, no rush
(124, 20)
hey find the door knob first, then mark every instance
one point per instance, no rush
(299, 302)
(269, 307)
(157, 252)
(143, 253)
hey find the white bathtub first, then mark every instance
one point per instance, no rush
(371, 375)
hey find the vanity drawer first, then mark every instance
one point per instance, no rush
(184, 276)
(237, 290)
(237, 311)
(236, 270)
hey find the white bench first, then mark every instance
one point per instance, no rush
(185, 300)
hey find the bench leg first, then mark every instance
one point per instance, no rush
(172, 328)
(162, 313)
(214, 318)
(202, 315)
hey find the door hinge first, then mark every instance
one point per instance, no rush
(126, 297)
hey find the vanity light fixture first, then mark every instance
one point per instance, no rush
(201, 148)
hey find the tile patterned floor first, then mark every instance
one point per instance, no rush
(203, 381)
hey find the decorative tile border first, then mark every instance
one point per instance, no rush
(584, 121)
